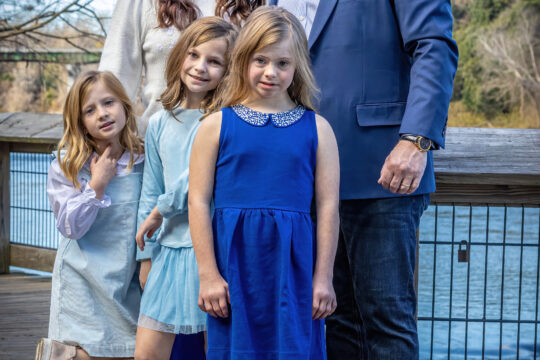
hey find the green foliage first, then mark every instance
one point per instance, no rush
(484, 11)
(6, 77)
(472, 21)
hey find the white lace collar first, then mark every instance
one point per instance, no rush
(257, 118)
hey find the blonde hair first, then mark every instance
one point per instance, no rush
(79, 145)
(268, 25)
(200, 31)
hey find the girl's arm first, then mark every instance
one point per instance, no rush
(174, 201)
(75, 210)
(148, 218)
(327, 202)
(213, 290)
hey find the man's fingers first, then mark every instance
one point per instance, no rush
(414, 185)
(395, 183)
(406, 184)
(385, 178)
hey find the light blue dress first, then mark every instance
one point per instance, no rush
(169, 302)
(95, 289)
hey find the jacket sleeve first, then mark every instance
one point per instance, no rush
(426, 29)
(123, 54)
(75, 210)
(152, 187)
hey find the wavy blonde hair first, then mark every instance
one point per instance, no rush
(268, 25)
(76, 142)
(199, 32)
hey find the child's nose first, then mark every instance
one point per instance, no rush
(101, 111)
(200, 65)
(270, 70)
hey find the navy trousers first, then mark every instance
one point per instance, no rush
(374, 280)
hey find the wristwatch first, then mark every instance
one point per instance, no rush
(422, 143)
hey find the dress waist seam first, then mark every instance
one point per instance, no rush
(263, 208)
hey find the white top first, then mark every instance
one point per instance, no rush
(304, 10)
(137, 48)
(76, 209)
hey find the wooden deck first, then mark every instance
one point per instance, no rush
(24, 314)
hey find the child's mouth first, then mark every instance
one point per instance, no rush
(106, 125)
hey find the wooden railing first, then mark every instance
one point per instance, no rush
(478, 166)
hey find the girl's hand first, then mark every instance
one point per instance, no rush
(324, 297)
(214, 296)
(103, 170)
(148, 227)
(146, 266)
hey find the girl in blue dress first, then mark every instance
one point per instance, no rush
(93, 187)
(265, 272)
(194, 69)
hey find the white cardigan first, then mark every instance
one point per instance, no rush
(136, 49)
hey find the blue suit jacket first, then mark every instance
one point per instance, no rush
(385, 67)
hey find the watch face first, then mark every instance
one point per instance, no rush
(424, 143)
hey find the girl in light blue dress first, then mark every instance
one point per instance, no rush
(265, 271)
(169, 304)
(93, 188)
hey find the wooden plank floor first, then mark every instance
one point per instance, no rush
(24, 314)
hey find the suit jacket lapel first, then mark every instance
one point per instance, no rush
(321, 17)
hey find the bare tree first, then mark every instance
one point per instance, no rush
(511, 61)
(34, 24)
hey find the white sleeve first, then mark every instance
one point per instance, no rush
(122, 54)
(75, 210)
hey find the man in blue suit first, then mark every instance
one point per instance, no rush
(386, 70)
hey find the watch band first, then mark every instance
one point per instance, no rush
(422, 143)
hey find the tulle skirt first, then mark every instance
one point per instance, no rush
(169, 301)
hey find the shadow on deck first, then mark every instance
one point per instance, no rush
(24, 314)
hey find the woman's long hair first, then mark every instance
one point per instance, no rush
(181, 13)
(268, 25)
(76, 142)
(237, 11)
(200, 31)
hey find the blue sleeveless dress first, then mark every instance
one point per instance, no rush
(264, 237)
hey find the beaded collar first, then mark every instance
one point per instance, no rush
(281, 119)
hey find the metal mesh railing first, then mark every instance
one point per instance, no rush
(486, 307)
(31, 219)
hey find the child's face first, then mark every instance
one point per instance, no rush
(204, 66)
(271, 70)
(103, 115)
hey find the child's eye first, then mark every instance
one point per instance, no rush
(89, 111)
(283, 63)
(109, 102)
(215, 62)
(192, 54)
(260, 61)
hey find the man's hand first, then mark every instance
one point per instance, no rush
(146, 266)
(403, 168)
